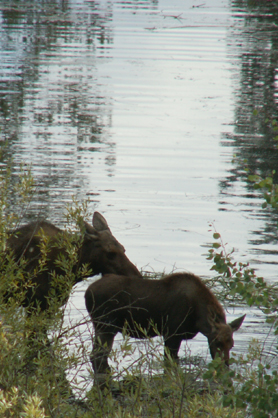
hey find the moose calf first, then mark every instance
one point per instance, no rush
(177, 307)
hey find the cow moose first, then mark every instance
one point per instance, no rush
(176, 307)
(98, 249)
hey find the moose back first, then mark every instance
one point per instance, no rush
(177, 307)
(98, 248)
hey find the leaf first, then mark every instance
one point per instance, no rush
(254, 178)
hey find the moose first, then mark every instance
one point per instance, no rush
(98, 249)
(176, 307)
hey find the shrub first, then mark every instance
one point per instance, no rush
(254, 386)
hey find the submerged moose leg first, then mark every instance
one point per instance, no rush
(101, 349)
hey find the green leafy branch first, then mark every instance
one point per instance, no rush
(270, 189)
(239, 279)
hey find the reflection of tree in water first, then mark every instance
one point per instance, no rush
(50, 97)
(253, 48)
(46, 28)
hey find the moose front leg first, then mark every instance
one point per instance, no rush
(171, 349)
(101, 349)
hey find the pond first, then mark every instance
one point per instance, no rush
(146, 108)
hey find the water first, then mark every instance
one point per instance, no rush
(146, 109)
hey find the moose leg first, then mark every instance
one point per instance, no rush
(101, 348)
(171, 349)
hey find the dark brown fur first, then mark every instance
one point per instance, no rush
(177, 307)
(99, 250)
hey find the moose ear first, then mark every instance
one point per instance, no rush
(236, 324)
(90, 230)
(99, 222)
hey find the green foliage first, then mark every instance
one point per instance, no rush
(267, 184)
(270, 189)
(172, 394)
(16, 189)
(251, 386)
(240, 281)
(254, 387)
(31, 405)
(34, 354)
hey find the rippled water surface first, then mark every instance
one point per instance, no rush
(147, 109)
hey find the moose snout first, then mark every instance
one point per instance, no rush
(223, 353)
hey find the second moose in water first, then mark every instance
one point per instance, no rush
(41, 248)
(177, 307)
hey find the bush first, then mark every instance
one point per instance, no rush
(254, 388)
(34, 355)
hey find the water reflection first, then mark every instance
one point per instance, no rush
(89, 93)
(252, 44)
(53, 109)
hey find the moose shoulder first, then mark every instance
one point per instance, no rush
(97, 248)
(177, 307)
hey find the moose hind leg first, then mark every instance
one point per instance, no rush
(102, 346)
